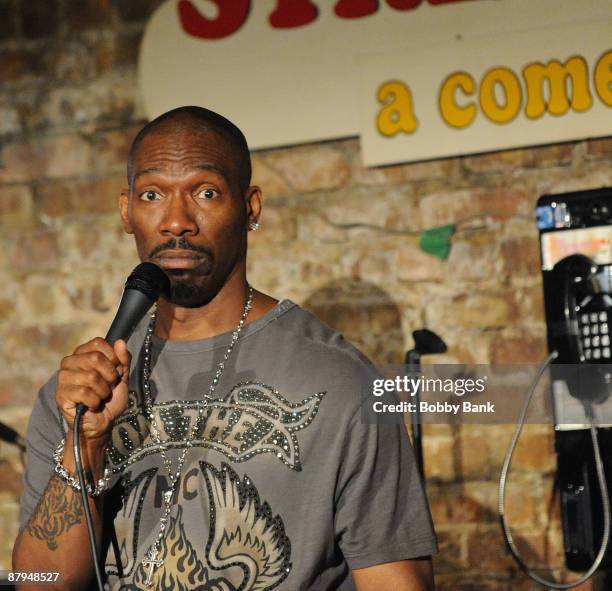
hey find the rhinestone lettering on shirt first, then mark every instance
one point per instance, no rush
(251, 419)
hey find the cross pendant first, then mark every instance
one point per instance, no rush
(151, 563)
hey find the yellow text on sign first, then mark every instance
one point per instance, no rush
(500, 94)
(397, 113)
(552, 88)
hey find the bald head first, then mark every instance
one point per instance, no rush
(201, 121)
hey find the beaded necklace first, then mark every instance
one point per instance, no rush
(151, 560)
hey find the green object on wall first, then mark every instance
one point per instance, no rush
(436, 241)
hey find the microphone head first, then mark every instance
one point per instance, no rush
(428, 342)
(150, 280)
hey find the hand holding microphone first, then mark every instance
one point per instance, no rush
(96, 374)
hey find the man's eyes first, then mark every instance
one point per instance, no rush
(208, 193)
(150, 196)
(203, 194)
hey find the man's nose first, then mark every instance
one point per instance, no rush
(179, 217)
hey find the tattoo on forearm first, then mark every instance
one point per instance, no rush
(57, 511)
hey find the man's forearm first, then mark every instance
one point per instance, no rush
(55, 537)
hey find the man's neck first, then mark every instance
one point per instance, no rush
(220, 315)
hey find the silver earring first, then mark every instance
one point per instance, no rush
(253, 225)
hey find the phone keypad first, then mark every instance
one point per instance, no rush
(594, 336)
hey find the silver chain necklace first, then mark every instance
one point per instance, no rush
(150, 562)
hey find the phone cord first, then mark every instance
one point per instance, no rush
(605, 501)
(84, 498)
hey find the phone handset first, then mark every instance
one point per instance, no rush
(580, 329)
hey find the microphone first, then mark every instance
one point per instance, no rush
(142, 289)
(426, 342)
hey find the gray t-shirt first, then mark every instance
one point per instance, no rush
(284, 487)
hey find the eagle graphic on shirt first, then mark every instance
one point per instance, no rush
(246, 548)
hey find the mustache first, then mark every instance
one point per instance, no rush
(180, 244)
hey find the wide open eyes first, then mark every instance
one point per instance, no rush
(208, 193)
(150, 196)
(202, 194)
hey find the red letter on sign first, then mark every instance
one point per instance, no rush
(444, 1)
(403, 4)
(355, 8)
(232, 14)
(293, 13)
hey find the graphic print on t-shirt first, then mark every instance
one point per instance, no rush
(222, 534)
(251, 419)
(247, 548)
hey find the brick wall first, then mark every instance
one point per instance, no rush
(336, 237)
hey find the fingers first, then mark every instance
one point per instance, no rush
(73, 395)
(89, 380)
(86, 387)
(119, 399)
(100, 345)
(89, 375)
(124, 357)
(96, 355)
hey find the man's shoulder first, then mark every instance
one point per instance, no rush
(315, 344)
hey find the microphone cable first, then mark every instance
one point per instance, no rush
(76, 428)
(605, 501)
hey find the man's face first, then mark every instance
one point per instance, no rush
(186, 211)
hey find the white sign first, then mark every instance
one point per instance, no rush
(295, 71)
(492, 93)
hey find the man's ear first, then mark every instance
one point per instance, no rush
(124, 210)
(253, 204)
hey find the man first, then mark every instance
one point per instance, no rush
(229, 426)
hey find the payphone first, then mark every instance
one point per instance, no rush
(576, 254)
